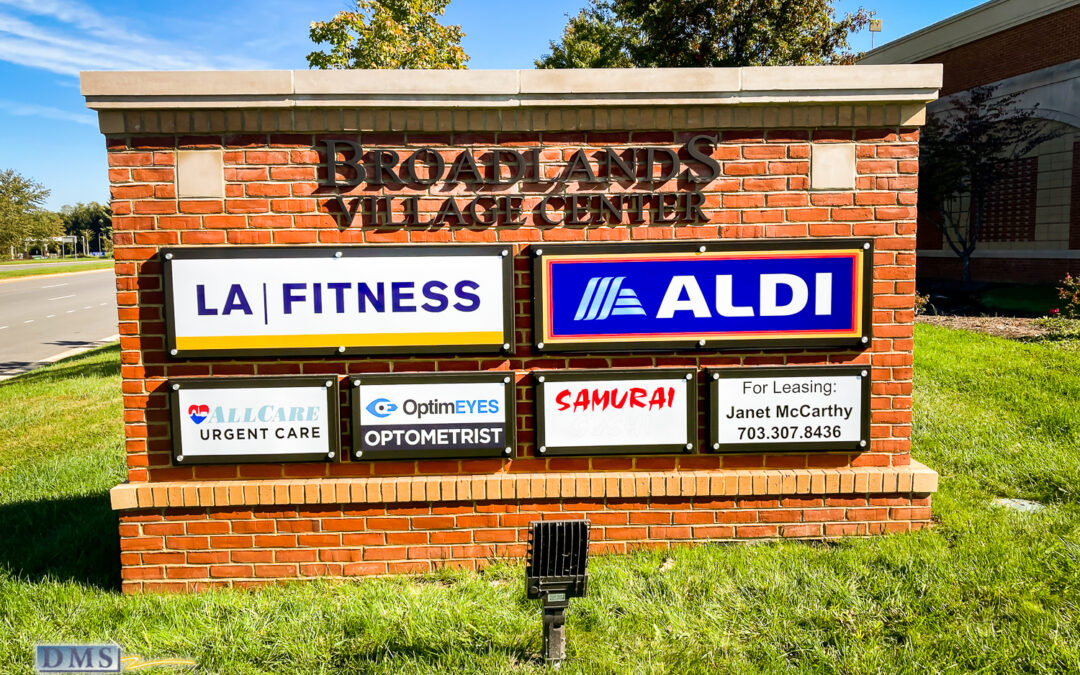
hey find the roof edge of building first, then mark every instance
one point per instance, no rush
(960, 29)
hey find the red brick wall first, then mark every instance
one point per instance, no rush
(196, 549)
(1040, 43)
(1011, 270)
(271, 181)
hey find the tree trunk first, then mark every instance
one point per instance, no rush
(965, 268)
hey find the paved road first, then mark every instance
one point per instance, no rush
(34, 266)
(43, 317)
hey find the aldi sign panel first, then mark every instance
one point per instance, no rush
(712, 294)
(263, 419)
(240, 301)
(813, 408)
(588, 412)
(434, 415)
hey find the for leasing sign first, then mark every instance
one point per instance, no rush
(352, 300)
(712, 294)
(813, 408)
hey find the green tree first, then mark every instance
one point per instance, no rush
(91, 223)
(704, 33)
(389, 34)
(964, 152)
(20, 209)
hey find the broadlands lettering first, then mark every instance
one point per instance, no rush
(350, 167)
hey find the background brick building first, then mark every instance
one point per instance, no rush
(1030, 48)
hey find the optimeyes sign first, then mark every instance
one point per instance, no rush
(703, 294)
(433, 415)
(239, 301)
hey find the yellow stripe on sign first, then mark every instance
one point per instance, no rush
(492, 337)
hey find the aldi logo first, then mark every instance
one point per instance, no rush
(712, 295)
(605, 296)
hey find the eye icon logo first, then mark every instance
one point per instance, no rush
(381, 407)
(198, 412)
(606, 296)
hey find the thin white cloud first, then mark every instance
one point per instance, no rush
(32, 110)
(78, 37)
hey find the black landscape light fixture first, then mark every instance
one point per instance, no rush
(554, 573)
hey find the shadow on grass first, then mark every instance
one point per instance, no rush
(70, 539)
(73, 367)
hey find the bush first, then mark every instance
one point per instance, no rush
(1069, 291)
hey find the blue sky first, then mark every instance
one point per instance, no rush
(46, 132)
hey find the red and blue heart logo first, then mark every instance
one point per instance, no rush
(198, 413)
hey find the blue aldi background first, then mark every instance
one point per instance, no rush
(774, 294)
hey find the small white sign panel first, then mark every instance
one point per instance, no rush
(363, 303)
(443, 416)
(790, 410)
(625, 413)
(241, 423)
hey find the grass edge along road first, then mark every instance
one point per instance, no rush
(49, 270)
(987, 589)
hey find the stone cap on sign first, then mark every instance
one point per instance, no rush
(269, 89)
(915, 478)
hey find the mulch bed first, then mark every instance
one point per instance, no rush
(1015, 328)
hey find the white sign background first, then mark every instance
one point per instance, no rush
(444, 392)
(217, 275)
(253, 397)
(624, 426)
(732, 392)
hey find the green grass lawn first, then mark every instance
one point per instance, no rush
(986, 590)
(45, 270)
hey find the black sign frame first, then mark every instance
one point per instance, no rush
(168, 255)
(504, 377)
(539, 292)
(713, 376)
(543, 377)
(333, 405)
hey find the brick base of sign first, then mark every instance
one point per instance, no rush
(185, 537)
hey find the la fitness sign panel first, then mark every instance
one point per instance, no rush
(633, 297)
(586, 412)
(796, 409)
(252, 301)
(254, 419)
(433, 415)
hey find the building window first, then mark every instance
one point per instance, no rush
(1010, 208)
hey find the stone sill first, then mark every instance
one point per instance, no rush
(146, 90)
(915, 478)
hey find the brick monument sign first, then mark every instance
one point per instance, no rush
(377, 322)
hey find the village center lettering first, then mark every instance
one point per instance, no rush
(350, 166)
